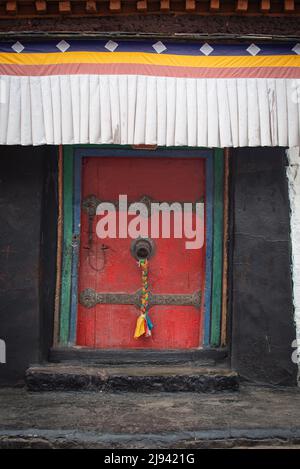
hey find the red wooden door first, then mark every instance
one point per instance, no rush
(107, 265)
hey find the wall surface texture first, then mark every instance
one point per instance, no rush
(26, 304)
(293, 174)
(262, 309)
(162, 24)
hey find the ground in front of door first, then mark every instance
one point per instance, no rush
(251, 417)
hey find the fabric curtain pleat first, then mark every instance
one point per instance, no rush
(137, 109)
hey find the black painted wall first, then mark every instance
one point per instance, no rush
(261, 288)
(27, 255)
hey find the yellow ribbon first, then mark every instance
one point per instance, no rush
(140, 326)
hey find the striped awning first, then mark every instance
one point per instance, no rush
(156, 93)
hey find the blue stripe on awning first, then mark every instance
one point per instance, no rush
(176, 48)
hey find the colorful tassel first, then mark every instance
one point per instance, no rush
(143, 323)
(141, 327)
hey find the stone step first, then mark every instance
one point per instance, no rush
(207, 357)
(75, 377)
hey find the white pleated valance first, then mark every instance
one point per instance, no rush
(120, 109)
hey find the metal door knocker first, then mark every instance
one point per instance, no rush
(142, 248)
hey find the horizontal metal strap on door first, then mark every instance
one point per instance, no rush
(90, 298)
(91, 202)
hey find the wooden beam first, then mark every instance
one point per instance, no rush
(214, 5)
(59, 246)
(209, 214)
(216, 305)
(265, 6)
(242, 6)
(66, 277)
(225, 249)
(190, 5)
(115, 5)
(91, 6)
(165, 5)
(64, 7)
(142, 5)
(41, 6)
(289, 6)
(36, 8)
(11, 7)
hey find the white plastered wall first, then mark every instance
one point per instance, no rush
(293, 174)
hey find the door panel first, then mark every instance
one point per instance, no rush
(107, 266)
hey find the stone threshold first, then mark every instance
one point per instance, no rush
(174, 378)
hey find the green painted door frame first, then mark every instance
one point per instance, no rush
(66, 336)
